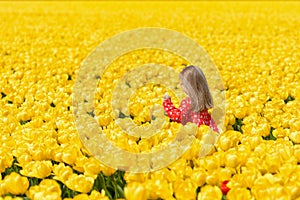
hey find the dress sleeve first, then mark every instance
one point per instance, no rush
(173, 112)
(213, 125)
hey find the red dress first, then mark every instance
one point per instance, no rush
(184, 115)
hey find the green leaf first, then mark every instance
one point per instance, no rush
(237, 126)
(289, 98)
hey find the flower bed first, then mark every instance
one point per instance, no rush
(254, 45)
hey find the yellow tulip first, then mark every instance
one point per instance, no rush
(240, 112)
(62, 172)
(11, 198)
(70, 154)
(295, 136)
(80, 183)
(209, 192)
(79, 163)
(159, 188)
(6, 159)
(232, 160)
(92, 167)
(135, 191)
(246, 179)
(38, 169)
(213, 178)
(48, 189)
(297, 152)
(275, 191)
(136, 177)
(225, 173)
(15, 184)
(239, 194)
(293, 189)
(81, 197)
(211, 163)
(224, 143)
(95, 195)
(273, 162)
(198, 177)
(2, 187)
(294, 124)
(184, 189)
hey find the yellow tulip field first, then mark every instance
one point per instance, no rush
(254, 45)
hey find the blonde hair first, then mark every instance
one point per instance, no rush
(195, 85)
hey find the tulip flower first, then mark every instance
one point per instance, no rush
(209, 192)
(135, 191)
(38, 169)
(15, 184)
(258, 151)
(224, 188)
(80, 183)
(47, 189)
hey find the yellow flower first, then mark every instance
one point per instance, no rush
(6, 159)
(273, 162)
(70, 154)
(262, 129)
(80, 183)
(79, 197)
(294, 124)
(38, 169)
(92, 167)
(80, 162)
(95, 195)
(213, 178)
(104, 119)
(295, 136)
(11, 198)
(15, 184)
(232, 160)
(275, 191)
(47, 189)
(293, 189)
(225, 173)
(224, 142)
(239, 194)
(209, 192)
(158, 187)
(211, 163)
(134, 177)
(198, 177)
(184, 189)
(246, 179)
(62, 172)
(297, 152)
(135, 191)
(24, 159)
(240, 112)
(2, 187)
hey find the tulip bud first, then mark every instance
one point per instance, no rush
(16, 184)
(231, 160)
(295, 137)
(135, 191)
(209, 192)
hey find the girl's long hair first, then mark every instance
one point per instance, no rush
(195, 85)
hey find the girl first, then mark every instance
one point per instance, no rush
(195, 107)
